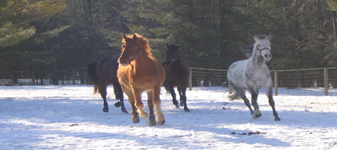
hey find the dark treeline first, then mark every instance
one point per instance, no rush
(46, 35)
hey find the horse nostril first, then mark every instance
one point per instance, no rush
(267, 55)
(124, 61)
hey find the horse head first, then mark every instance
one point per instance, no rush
(262, 44)
(172, 53)
(133, 48)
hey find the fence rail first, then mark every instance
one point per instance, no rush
(321, 80)
(312, 80)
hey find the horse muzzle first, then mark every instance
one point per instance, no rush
(265, 53)
(267, 57)
(123, 61)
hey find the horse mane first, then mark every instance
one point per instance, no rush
(247, 50)
(140, 40)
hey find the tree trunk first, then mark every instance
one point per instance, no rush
(14, 78)
(334, 17)
(90, 30)
(55, 75)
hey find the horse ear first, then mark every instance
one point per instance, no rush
(124, 36)
(269, 37)
(134, 36)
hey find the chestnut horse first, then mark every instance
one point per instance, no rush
(139, 72)
(177, 75)
(104, 73)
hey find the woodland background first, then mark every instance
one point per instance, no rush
(47, 35)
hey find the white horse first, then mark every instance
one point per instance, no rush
(253, 74)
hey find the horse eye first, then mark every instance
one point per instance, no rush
(134, 47)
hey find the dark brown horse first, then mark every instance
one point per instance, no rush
(104, 73)
(177, 75)
(140, 72)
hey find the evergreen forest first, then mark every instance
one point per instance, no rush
(47, 35)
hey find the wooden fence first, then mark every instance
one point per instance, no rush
(316, 79)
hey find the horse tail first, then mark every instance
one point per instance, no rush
(234, 96)
(91, 68)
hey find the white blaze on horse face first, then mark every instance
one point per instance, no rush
(125, 58)
(122, 61)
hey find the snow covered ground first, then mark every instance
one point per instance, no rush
(71, 117)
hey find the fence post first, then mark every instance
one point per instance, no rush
(276, 82)
(190, 80)
(229, 88)
(326, 81)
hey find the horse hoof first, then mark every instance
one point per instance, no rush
(186, 109)
(124, 111)
(161, 122)
(153, 123)
(258, 115)
(117, 104)
(136, 120)
(106, 109)
(181, 103)
(255, 116)
(177, 106)
(277, 119)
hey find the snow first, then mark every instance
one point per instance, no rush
(71, 117)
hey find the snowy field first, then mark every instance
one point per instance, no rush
(71, 117)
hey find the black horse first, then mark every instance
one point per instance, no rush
(177, 75)
(104, 73)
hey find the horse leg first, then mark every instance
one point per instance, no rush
(134, 113)
(150, 105)
(181, 97)
(182, 93)
(102, 91)
(157, 103)
(272, 103)
(119, 95)
(254, 95)
(173, 94)
(138, 102)
(242, 94)
(117, 104)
